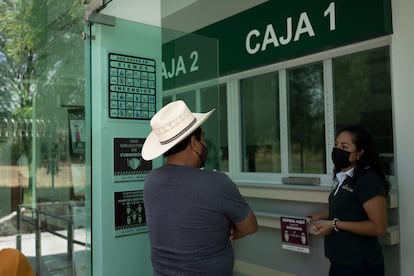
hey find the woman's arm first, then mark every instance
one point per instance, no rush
(376, 225)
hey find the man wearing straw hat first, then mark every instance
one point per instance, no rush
(192, 215)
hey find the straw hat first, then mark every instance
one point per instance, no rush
(170, 125)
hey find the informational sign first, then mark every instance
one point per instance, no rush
(77, 134)
(129, 213)
(128, 162)
(275, 31)
(295, 235)
(77, 131)
(189, 59)
(132, 87)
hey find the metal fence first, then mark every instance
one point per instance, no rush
(25, 128)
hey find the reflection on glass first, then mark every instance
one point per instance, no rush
(260, 123)
(215, 128)
(216, 136)
(42, 188)
(306, 119)
(189, 98)
(189, 60)
(362, 89)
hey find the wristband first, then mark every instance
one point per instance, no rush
(334, 224)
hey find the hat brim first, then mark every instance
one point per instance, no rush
(152, 148)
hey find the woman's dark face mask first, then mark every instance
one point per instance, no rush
(340, 158)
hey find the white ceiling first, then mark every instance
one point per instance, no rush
(202, 13)
(144, 11)
(181, 15)
(169, 7)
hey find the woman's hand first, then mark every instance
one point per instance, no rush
(322, 227)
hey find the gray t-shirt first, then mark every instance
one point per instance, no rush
(188, 213)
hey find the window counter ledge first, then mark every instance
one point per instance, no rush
(301, 193)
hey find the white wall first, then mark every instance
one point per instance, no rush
(142, 11)
(402, 59)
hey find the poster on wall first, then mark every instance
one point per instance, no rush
(129, 213)
(132, 87)
(128, 162)
(77, 135)
(77, 131)
(295, 234)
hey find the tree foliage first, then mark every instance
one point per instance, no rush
(39, 50)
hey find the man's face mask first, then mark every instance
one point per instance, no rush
(203, 156)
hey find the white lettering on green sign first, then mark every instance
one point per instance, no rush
(331, 12)
(178, 67)
(256, 42)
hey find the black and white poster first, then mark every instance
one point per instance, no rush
(128, 162)
(132, 88)
(129, 213)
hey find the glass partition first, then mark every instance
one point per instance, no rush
(306, 119)
(260, 123)
(132, 74)
(42, 142)
(362, 89)
(190, 73)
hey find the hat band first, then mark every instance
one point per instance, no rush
(179, 133)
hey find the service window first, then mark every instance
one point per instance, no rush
(362, 96)
(306, 117)
(260, 123)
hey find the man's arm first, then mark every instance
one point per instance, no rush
(245, 227)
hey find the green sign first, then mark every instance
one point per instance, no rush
(189, 59)
(279, 30)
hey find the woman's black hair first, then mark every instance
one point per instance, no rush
(370, 158)
(183, 144)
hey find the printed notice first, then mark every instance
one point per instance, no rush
(295, 235)
(128, 162)
(131, 83)
(129, 213)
